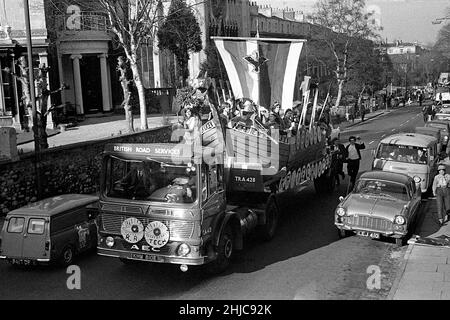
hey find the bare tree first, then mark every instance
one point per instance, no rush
(133, 22)
(125, 81)
(346, 25)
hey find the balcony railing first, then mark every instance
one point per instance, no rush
(83, 21)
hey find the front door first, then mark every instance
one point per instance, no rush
(12, 242)
(92, 84)
(34, 238)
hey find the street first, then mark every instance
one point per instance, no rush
(306, 259)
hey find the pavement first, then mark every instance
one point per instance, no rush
(425, 272)
(93, 128)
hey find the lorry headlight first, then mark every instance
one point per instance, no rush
(417, 179)
(340, 212)
(183, 250)
(400, 220)
(110, 242)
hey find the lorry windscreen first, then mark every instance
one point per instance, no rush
(399, 153)
(150, 181)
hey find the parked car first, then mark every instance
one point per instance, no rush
(382, 204)
(409, 153)
(444, 127)
(52, 230)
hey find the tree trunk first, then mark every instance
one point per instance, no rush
(340, 90)
(141, 93)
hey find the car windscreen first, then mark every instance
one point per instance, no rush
(400, 153)
(383, 189)
(150, 181)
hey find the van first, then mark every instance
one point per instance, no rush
(52, 230)
(432, 132)
(413, 154)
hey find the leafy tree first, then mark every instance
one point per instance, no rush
(346, 27)
(181, 34)
(213, 65)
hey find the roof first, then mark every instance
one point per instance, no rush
(55, 205)
(388, 176)
(410, 139)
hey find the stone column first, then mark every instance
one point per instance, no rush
(61, 78)
(78, 86)
(105, 83)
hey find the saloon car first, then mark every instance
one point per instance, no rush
(383, 204)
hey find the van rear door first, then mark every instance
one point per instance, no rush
(12, 239)
(34, 238)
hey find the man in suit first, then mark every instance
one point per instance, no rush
(138, 183)
(354, 158)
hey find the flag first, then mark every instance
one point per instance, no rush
(263, 70)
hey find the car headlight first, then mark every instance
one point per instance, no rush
(183, 250)
(400, 220)
(340, 212)
(110, 242)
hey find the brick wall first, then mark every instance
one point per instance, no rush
(69, 169)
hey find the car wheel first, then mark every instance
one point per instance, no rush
(67, 256)
(343, 233)
(400, 242)
(225, 250)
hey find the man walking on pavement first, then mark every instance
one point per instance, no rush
(442, 193)
(354, 158)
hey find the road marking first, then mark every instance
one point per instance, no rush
(371, 143)
(383, 136)
(393, 130)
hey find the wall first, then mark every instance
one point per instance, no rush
(68, 169)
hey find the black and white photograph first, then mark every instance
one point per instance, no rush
(225, 155)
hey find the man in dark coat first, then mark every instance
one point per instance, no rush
(341, 155)
(354, 158)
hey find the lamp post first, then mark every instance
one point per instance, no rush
(33, 96)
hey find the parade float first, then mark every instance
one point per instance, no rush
(192, 200)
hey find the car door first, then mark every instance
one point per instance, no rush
(34, 238)
(416, 200)
(12, 238)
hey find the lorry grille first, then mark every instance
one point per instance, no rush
(373, 223)
(179, 230)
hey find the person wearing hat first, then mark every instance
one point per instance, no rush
(245, 117)
(354, 158)
(442, 193)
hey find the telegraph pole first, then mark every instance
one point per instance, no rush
(37, 150)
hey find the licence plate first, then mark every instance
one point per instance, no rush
(372, 235)
(24, 262)
(147, 257)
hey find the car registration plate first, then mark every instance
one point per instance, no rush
(24, 262)
(367, 234)
(147, 257)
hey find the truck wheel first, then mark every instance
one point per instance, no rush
(67, 256)
(225, 250)
(267, 231)
(325, 184)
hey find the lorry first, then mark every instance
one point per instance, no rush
(202, 196)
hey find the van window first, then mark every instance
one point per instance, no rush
(36, 226)
(16, 225)
(401, 153)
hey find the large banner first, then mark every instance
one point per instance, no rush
(263, 70)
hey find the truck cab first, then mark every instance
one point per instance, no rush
(178, 213)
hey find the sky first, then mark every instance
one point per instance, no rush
(407, 20)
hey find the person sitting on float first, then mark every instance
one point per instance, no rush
(272, 124)
(263, 116)
(246, 118)
(191, 124)
(276, 108)
(288, 125)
